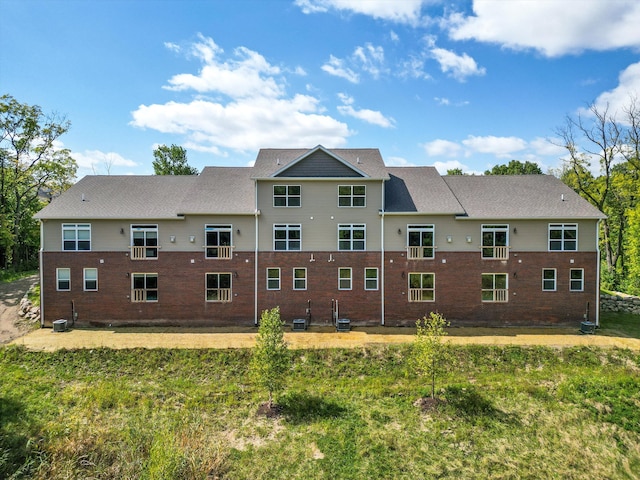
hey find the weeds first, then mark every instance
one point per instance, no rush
(506, 412)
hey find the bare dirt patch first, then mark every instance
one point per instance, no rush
(11, 325)
(428, 404)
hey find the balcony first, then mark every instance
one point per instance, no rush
(221, 252)
(495, 253)
(144, 253)
(418, 253)
(219, 295)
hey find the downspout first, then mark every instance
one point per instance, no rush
(40, 255)
(382, 258)
(598, 274)
(255, 262)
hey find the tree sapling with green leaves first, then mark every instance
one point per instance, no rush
(270, 361)
(430, 354)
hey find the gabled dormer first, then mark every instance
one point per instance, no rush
(320, 162)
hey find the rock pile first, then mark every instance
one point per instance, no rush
(28, 311)
(620, 303)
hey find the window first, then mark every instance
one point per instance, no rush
(286, 195)
(494, 287)
(344, 279)
(495, 241)
(63, 279)
(352, 195)
(422, 287)
(563, 237)
(144, 287)
(351, 237)
(420, 241)
(218, 287)
(273, 279)
(548, 279)
(287, 237)
(299, 278)
(576, 279)
(217, 240)
(144, 242)
(76, 236)
(90, 279)
(371, 279)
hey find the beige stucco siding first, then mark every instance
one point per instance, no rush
(319, 213)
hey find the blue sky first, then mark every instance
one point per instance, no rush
(467, 84)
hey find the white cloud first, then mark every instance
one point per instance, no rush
(255, 113)
(367, 58)
(544, 146)
(248, 75)
(442, 148)
(443, 167)
(498, 146)
(458, 66)
(96, 161)
(336, 67)
(398, 162)
(620, 97)
(370, 116)
(553, 28)
(413, 67)
(403, 11)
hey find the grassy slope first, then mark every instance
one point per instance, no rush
(161, 414)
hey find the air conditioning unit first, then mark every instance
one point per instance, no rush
(343, 325)
(59, 325)
(299, 324)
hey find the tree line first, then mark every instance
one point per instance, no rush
(602, 164)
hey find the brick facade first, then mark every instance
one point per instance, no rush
(181, 288)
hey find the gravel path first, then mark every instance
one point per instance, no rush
(10, 295)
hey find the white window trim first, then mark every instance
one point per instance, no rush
(84, 279)
(422, 228)
(494, 228)
(286, 196)
(145, 228)
(75, 227)
(287, 227)
(377, 279)
(562, 227)
(273, 279)
(293, 272)
(58, 270)
(218, 228)
(352, 196)
(555, 280)
(350, 279)
(571, 280)
(351, 227)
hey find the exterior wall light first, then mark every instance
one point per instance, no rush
(468, 238)
(449, 239)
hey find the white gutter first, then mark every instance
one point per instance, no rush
(255, 260)
(382, 312)
(598, 274)
(40, 256)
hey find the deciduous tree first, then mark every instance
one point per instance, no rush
(270, 361)
(32, 166)
(515, 167)
(172, 161)
(430, 354)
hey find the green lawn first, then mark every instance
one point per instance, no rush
(626, 324)
(510, 412)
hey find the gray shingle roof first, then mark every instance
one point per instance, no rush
(419, 189)
(519, 196)
(367, 160)
(133, 196)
